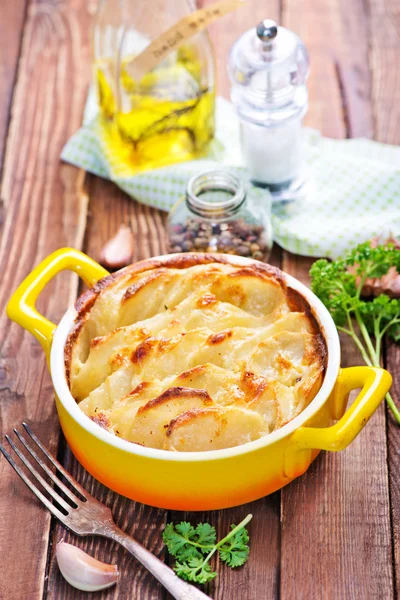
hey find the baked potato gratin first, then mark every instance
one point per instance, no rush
(194, 352)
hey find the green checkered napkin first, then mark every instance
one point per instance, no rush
(354, 191)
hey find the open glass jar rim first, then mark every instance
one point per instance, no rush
(201, 189)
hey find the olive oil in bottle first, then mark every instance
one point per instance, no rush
(168, 115)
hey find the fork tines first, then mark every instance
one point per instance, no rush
(75, 497)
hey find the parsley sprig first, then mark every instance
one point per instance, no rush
(339, 285)
(193, 548)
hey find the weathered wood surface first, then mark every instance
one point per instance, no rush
(385, 96)
(11, 28)
(328, 535)
(44, 207)
(345, 495)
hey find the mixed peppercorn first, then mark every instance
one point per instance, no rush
(230, 237)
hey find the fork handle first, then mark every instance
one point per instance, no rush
(181, 590)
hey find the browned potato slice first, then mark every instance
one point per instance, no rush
(251, 291)
(261, 397)
(214, 428)
(152, 419)
(281, 356)
(222, 385)
(105, 396)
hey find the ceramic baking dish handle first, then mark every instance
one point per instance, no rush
(375, 384)
(21, 307)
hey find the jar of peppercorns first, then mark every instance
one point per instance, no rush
(220, 213)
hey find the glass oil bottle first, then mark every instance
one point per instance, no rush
(167, 115)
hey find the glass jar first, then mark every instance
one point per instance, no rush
(268, 68)
(220, 213)
(167, 115)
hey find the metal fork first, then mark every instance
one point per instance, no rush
(84, 515)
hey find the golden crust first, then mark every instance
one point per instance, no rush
(175, 393)
(218, 338)
(166, 348)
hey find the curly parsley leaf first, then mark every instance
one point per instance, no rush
(193, 548)
(380, 313)
(373, 262)
(339, 285)
(185, 541)
(178, 540)
(206, 534)
(195, 569)
(235, 551)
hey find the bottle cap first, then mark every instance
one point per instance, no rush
(268, 67)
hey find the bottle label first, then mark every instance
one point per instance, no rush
(175, 35)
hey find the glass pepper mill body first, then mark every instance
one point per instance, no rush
(168, 114)
(268, 68)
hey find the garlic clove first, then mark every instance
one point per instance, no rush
(82, 571)
(118, 251)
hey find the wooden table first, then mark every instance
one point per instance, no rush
(335, 532)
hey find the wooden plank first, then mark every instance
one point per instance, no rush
(109, 207)
(11, 28)
(352, 69)
(44, 208)
(393, 434)
(338, 50)
(384, 56)
(320, 28)
(384, 52)
(337, 514)
(339, 83)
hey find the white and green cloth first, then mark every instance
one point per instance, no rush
(354, 191)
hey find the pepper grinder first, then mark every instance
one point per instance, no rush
(268, 68)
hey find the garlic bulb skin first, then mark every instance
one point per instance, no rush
(82, 571)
